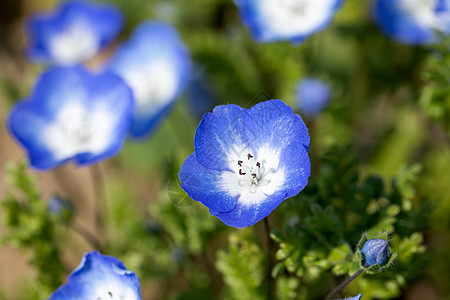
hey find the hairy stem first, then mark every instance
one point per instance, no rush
(340, 287)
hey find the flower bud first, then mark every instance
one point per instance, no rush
(375, 251)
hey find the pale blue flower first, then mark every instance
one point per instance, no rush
(156, 65)
(294, 20)
(247, 161)
(74, 32)
(313, 96)
(412, 22)
(73, 115)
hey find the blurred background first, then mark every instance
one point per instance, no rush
(389, 115)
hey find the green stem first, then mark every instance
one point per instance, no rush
(271, 263)
(340, 287)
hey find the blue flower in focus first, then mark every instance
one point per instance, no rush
(375, 251)
(412, 22)
(312, 96)
(294, 20)
(247, 161)
(357, 297)
(73, 114)
(99, 277)
(73, 33)
(156, 65)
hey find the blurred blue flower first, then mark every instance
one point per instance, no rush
(99, 277)
(247, 161)
(200, 98)
(73, 114)
(375, 251)
(73, 33)
(412, 22)
(357, 297)
(312, 96)
(60, 207)
(156, 65)
(294, 20)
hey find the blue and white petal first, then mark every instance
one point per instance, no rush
(294, 20)
(247, 161)
(99, 277)
(156, 65)
(313, 96)
(75, 32)
(411, 21)
(73, 114)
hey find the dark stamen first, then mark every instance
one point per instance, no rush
(253, 175)
(240, 163)
(110, 294)
(240, 172)
(258, 164)
(249, 156)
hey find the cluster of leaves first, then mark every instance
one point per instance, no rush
(324, 223)
(435, 96)
(31, 228)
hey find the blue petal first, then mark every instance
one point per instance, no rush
(247, 215)
(203, 185)
(295, 161)
(104, 20)
(94, 271)
(400, 26)
(25, 126)
(151, 44)
(274, 123)
(261, 27)
(226, 130)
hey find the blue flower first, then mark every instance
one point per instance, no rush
(312, 96)
(294, 20)
(73, 33)
(156, 65)
(99, 277)
(247, 161)
(375, 251)
(412, 22)
(200, 98)
(357, 297)
(72, 114)
(60, 208)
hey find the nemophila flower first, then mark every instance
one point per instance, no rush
(247, 161)
(313, 96)
(375, 251)
(100, 277)
(156, 65)
(73, 115)
(294, 20)
(413, 22)
(72, 33)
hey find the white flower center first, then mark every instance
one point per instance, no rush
(76, 43)
(253, 173)
(77, 130)
(292, 17)
(422, 11)
(153, 86)
(253, 176)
